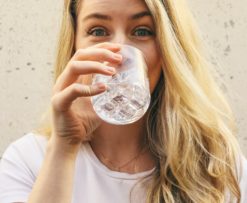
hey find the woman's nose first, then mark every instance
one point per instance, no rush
(120, 38)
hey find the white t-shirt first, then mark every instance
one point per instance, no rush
(93, 181)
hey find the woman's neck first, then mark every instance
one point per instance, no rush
(116, 145)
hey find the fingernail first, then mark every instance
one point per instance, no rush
(117, 56)
(101, 86)
(111, 69)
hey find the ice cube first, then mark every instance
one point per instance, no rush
(127, 112)
(119, 99)
(108, 107)
(137, 104)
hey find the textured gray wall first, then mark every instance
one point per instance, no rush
(28, 33)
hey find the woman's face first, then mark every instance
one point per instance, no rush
(120, 21)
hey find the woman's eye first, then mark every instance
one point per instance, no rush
(142, 32)
(98, 32)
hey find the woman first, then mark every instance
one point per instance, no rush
(182, 150)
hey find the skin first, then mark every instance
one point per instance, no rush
(73, 119)
(119, 29)
(117, 26)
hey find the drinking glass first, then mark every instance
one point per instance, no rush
(127, 97)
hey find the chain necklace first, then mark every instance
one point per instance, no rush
(126, 163)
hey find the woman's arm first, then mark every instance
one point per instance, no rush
(72, 122)
(55, 180)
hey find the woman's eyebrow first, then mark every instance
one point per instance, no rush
(97, 16)
(140, 15)
(107, 17)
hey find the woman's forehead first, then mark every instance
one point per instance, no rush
(112, 6)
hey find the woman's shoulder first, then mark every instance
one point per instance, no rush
(243, 169)
(19, 167)
(28, 144)
(27, 151)
(243, 177)
(244, 163)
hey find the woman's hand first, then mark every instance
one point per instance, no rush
(72, 114)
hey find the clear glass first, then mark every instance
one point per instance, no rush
(127, 97)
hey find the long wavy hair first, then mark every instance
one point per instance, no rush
(191, 129)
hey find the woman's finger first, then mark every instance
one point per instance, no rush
(115, 47)
(62, 101)
(97, 54)
(76, 68)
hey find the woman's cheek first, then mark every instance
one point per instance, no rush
(154, 69)
(154, 75)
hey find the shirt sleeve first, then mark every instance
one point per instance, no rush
(18, 170)
(243, 180)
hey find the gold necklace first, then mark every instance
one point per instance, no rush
(126, 163)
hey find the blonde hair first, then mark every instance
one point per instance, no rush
(190, 125)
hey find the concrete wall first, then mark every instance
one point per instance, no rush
(28, 32)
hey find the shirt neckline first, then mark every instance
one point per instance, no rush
(90, 155)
